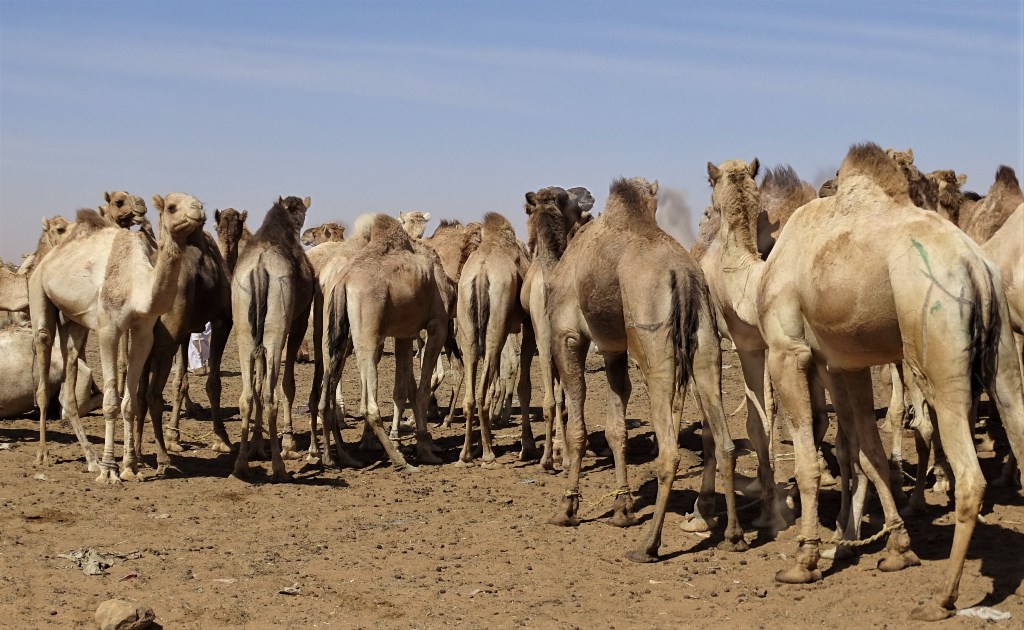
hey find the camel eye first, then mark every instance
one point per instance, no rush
(172, 208)
(120, 203)
(60, 230)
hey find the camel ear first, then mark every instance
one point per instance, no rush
(531, 198)
(216, 216)
(910, 154)
(243, 215)
(961, 179)
(306, 202)
(426, 216)
(753, 168)
(106, 197)
(158, 202)
(654, 188)
(713, 173)
(46, 223)
(280, 200)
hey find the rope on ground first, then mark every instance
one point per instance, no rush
(888, 527)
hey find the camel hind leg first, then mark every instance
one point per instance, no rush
(179, 389)
(570, 352)
(138, 353)
(528, 446)
(617, 373)
(73, 338)
(218, 341)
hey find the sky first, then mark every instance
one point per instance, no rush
(459, 108)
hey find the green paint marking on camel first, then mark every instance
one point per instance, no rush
(924, 255)
(936, 308)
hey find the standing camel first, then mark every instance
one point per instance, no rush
(271, 293)
(630, 288)
(919, 291)
(393, 287)
(14, 285)
(104, 279)
(488, 309)
(232, 235)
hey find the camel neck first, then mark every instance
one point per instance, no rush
(165, 275)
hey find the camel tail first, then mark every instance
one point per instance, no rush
(338, 326)
(480, 310)
(259, 280)
(985, 324)
(685, 320)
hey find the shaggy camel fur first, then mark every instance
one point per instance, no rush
(989, 214)
(393, 287)
(552, 214)
(414, 222)
(204, 295)
(117, 290)
(18, 393)
(326, 233)
(630, 288)
(918, 284)
(271, 294)
(487, 310)
(781, 193)
(232, 235)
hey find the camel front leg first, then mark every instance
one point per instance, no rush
(403, 376)
(367, 359)
(426, 449)
(179, 385)
(752, 363)
(72, 348)
(528, 450)
(218, 342)
(108, 342)
(44, 328)
(138, 352)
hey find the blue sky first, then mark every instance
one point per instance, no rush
(458, 108)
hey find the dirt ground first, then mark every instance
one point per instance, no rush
(446, 546)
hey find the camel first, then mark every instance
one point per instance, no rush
(917, 284)
(989, 214)
(271, 294)
(414, 222)
(17, 392)
(204, 295)
(393, 287)
(923, 190)
(232, 235)
(552, 214)
(630, 288)
(122, 209)
(326, 233)
(487, 310)
(768, 210)
(103, 279)
(949, 198)
(14, 285)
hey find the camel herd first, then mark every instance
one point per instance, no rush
(885, 265)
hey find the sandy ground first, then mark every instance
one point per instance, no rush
(446, 546)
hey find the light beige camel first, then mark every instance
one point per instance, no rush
(326, 233)
(552, 215)
(122, 209)
(923, 191)
(919, 291)
(631, 289)
(414, 222)
(271, 294)
(487, 310)
(989, 214)
(781, 193)
(14, 285)
(104, 279)
(393, 287)
(232, 235)
(18, 393)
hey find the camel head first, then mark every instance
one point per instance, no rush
(229, 225)
(947, 185)
(414, 222)
(923, 190)
(54, 231)
(328, 232)
(122, 209)
(180, 215)
(734, 193)
(296, 209)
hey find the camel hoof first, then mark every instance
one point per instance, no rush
(130, 475)
(240, 473)
(174, 447)
(931, 611)
(408, 468)
(797, 574)
(695, 523)
(465, 463)
(898, 561)
(839, 552)
(640, 556)
(623, 519)
(312, 455)
(528, 454)
(733, 545)
(292, 455)
(93, 467)
(165, 470)
(491, 465)
(426, 455)
(43, 458)
(564, 520)
(282, 476)
(108, 476)
(221, 447)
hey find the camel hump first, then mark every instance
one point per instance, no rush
(494, 221)
(386, 231)
(88, 220)
(1007, 177)
(869, 160)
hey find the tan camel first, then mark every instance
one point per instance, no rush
(949, 198)
(552, 214)
(326, 233)
(767, 210)
(271, 294)
(232, 234)
(18, 393)
(122, 209)
(204, 295)
(631, 289)
(923, 190)
(926, 285)
(393, 287)
(414, 222)
(487, 310)
(104, 279)
(989, 214)
(14, 285)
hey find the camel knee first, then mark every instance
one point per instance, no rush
(970, 490)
